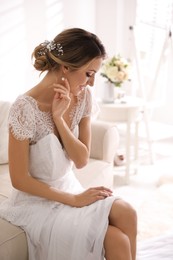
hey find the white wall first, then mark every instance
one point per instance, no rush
(109, 19)
(79, 13)
(113, 19)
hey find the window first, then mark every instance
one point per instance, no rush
(154, 19)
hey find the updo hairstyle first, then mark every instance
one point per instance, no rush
(78, 48)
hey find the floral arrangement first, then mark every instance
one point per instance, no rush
(116, 70)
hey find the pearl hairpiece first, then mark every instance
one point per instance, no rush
(50, 46)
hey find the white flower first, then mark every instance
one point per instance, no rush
(116, 70)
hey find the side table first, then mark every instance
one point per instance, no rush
(128, 111)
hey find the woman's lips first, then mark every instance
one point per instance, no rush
(82, 88)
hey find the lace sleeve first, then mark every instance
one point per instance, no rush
(88, 104)
(91, 108)
(22, 119)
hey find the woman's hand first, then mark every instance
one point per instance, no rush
(90, 196)
(61, 99)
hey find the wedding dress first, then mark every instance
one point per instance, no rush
(54, 231)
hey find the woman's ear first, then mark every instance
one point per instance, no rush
(65, 69)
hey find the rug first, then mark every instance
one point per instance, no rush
(159, 248)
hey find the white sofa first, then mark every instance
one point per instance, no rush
(99, 171)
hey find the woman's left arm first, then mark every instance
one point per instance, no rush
(78, 149)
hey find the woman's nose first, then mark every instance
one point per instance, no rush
(91, 81)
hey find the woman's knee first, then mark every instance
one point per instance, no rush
(131, 214)
(123, 214)
(117, 244)
(133, 220)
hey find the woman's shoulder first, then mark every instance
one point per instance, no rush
(23, 105)
(23, 101)
(22, 117)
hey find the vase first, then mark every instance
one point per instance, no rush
(119, 93)
(108, 92)
(111, 93)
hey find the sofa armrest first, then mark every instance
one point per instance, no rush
(104, 140)
(4, 108)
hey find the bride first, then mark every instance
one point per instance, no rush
(49, 131)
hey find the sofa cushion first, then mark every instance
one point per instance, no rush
(13, 243)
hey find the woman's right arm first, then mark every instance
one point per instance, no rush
(23, 181)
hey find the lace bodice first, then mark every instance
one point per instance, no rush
(27, 121)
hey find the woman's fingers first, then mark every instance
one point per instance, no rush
(60, 93)
(66, 84)
(62, 90)
(91, 195)
(59, 88)
(104, 194)
(103, 188)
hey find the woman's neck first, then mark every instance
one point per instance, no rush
(43, 92)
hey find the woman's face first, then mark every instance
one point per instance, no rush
(79, 79)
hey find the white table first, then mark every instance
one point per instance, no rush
(127, 110)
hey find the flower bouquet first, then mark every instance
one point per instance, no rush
(116, 70)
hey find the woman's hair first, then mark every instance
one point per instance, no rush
(73, 48)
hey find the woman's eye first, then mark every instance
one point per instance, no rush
(88, 75)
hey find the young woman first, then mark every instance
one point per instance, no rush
(49, 131)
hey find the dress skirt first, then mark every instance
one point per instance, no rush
(56, 231)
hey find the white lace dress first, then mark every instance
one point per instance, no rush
(54, 231)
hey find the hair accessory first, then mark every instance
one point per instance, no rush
(50, 46)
